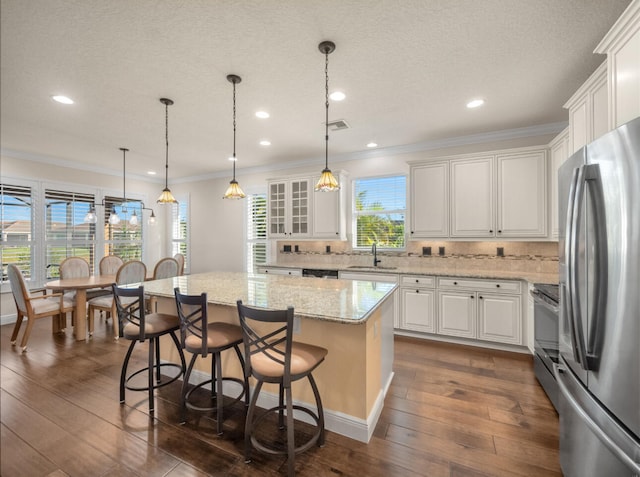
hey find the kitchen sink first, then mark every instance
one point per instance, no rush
(370, 267)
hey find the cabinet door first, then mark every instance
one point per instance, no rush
(277, 208)
(457, 314)
(429, 200)
(559, 149)
(299, 207)
(418, 310)
(499, 318)
(522, 194)
(472, 197)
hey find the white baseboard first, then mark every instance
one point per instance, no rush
(9, 319)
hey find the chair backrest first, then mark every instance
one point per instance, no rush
(130, 308)
(166, 268)
(110, 264)
(133, 271)
(273, 341)
(178, 257)
(192, 311)
(74, 267)
(18, 288)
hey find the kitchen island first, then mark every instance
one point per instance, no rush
(353, 319)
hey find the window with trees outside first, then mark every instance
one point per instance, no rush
(256, 231)
(180, 231)
(379, 210)
(16, 228)
(123, 239)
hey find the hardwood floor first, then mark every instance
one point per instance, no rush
(451, 411)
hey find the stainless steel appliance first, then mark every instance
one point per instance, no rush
(546, 300)
(320, 273)
(599, 337)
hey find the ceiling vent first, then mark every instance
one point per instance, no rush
(338, 125)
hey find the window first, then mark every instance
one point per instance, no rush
(256, 231)
(180, 231)
(123, 239)
(379, 209)
(16, 228)
(66, 234)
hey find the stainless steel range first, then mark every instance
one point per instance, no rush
(546, 300)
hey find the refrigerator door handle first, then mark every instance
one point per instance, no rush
(596, 325)
(575, 314)
(617, 439)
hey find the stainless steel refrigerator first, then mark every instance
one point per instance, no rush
(599, 337)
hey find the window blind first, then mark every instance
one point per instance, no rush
(256, 231)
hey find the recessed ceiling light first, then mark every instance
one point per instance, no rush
(151, 173)
(265, 142)
(337, 96)
(262, 114)
(62, 99)
(372, 144)
(475, 103)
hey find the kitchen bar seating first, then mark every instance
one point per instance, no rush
(138, 326)
(272, 356)
(200, 337)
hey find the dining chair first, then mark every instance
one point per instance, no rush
(78, 267)
(133, 271)
(109, 264)
(201, 338)
(138, 326)
(35, 306)
(180, 259)
(272, 356)
(165, 268)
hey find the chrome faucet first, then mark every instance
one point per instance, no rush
(374, 251)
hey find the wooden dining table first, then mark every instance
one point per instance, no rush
(81, 285)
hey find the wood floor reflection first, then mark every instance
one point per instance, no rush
(451, 411)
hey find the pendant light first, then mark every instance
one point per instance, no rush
(327, 182)
(166, 197)
(234, 191)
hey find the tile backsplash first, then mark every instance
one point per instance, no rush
(515, 256)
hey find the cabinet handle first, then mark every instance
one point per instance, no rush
(472, 297)
(498, 285)
(337, 233)
(417, 280)
(455, 283)
(499, 231)
(412, 232)
(266, 271)
(417, 291)
(480, 297)
(490, 231)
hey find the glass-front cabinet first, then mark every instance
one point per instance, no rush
(289, 206)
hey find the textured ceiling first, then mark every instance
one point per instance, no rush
(408, 68)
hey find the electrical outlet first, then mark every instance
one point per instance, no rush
(500, 251)
(441, 251)
(426, 250)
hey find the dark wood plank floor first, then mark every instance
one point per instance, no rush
(451, 411)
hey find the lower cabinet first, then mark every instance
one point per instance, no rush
(418, 310)
(475, 310)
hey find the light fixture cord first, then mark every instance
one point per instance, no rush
(326, 104)
(234, 130)
(166, 138)
(124, 183)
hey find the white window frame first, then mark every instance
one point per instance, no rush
(181, 244)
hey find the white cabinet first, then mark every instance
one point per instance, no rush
(472, 197)
(622, 47)
(588, 110)
(328, 217)
(522, 194)
(475, 309)
(559, 151)
(417, 302)
(429, 200)
(502, 195)
(294, 272)
(289, 208)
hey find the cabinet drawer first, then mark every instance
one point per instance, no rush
(503, 286)
(421, 281)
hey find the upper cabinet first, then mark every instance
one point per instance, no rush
(429, 200)
(588, 110)
(296, 211)
(497, 194)
(559, 152)
(622, 47)
(289, 208)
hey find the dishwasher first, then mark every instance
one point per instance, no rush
(319, 273)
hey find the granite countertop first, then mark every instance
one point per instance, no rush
(344, 301)
(479, 272)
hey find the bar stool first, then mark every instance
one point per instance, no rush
(138, 326)
(272, 356)
(201, 338)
